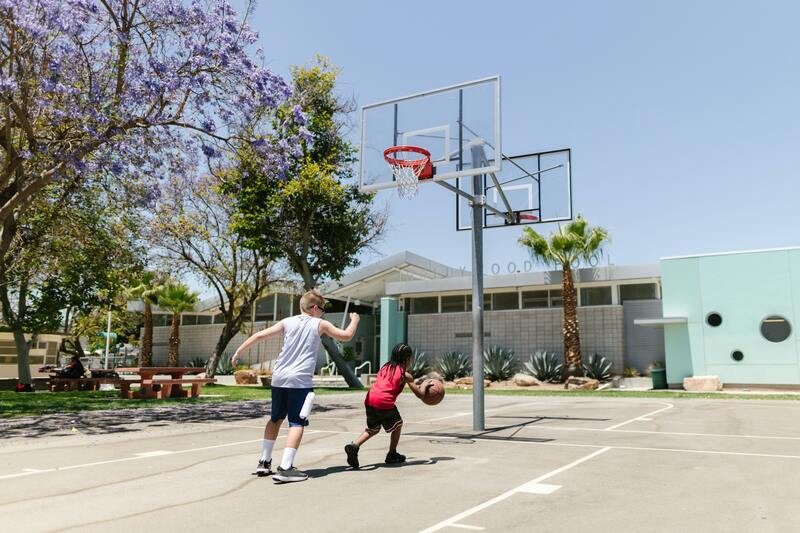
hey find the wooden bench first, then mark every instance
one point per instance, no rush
(69, 384)
(164, 388)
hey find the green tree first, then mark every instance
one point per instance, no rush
(146, 288)
(176, 297)
(190, 231)
(573, 243)
(68, 251)
(314, 218)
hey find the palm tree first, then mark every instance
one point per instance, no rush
(148, 287)
(177, 298)
(567, 247)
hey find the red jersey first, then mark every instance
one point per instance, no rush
(387, 387)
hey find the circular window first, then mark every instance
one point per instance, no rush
(775, 328)
(714, 319)
(736, 355)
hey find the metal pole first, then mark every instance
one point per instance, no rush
(477, 304)
(108, 336)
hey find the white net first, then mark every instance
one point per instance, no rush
(407, 179)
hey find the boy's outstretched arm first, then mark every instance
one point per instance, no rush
(275, 329)
(326, 328)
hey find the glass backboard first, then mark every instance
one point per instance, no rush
(459, 125)
(534, 188)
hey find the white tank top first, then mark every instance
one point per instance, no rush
(297, 361)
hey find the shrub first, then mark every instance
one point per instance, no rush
(197, 362)
(454, 365)
(419, 365)
(498, 363)
(544, 366)
(630, 372)
(598, 368)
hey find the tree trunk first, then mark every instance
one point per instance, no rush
(228, 332)
(174, 340)
(573, 364)
(23, 355)
(341, 365)
(146, 346)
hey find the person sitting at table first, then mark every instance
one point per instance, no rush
(74, 369)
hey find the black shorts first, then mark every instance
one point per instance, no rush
(390, 419)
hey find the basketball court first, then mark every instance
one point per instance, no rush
(543, 463)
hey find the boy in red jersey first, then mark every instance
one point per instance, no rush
(380, 404)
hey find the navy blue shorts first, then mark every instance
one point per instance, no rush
(288, 402)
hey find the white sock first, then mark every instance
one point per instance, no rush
(288, 458)
(266, 449)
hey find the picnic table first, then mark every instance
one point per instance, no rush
(91, 381)
(152, 386)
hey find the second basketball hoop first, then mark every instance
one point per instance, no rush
(409, 164)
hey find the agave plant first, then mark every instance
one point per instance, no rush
(197, 362)
(598, 368)
(419, 365)
(544, 366)
(454, 365)
(498, 363)
(225, 367)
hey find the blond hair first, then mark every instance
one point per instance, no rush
(310, 299)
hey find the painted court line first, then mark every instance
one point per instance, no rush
(465, 526)
(615, 426)
(488, 503)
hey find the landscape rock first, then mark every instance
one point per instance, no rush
(576, 383)
(702, 384)
(245, 377)
(524, 380)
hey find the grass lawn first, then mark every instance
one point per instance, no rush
(13, 404)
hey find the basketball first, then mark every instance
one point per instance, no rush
(434, 392)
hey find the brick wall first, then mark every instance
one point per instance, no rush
(523, 331)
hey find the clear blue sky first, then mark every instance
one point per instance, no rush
(683, 116)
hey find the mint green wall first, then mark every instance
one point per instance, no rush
(744, 288)
(393, 327)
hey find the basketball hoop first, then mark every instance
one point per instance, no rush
(408, 172)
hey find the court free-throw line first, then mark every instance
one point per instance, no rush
(488, 503)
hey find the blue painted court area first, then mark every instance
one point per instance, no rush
(544, 464)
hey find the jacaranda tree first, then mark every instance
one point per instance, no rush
(131, 89)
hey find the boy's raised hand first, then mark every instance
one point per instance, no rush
(354, 317)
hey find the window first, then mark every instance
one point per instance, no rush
(534, 299)
(454, 304)
(502, 301)
(219, 318)
(265, 308)
(189, 320)
(203, 319)
(775, 328)
(596, 296)
(428, 304)
(637, 291)
(714, 319)
(284, 306)
(160, 320)
(487, 302)
(555, 298)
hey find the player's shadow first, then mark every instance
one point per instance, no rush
(132, 420)
(322, 472)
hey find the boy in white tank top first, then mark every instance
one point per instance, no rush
(292, 386)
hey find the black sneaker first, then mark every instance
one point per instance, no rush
(352, 454)
(264, 468)
(394, 458)
(289, 475)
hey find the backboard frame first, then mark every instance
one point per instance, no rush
(495, 144)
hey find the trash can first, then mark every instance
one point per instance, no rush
(659, 376)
